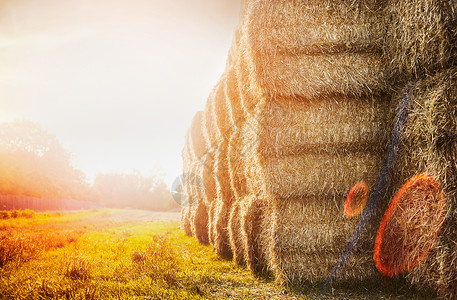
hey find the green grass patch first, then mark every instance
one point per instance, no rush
(110, 254)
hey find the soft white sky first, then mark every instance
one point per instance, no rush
(117, 81)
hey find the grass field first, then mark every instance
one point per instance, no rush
(130, 254)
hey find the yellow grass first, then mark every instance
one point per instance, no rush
(127, 254)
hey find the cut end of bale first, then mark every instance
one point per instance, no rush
(410, 227)
(356, 199)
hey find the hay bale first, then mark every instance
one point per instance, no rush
(211, 223)
(430, 146)
(200, 222)
(207, 162)
(192, 185)
(235, 234)
(317, 148)
(307, 240)
(232, 93)
(256, 233)
(196, 134)
(316, 112)
(236, 165)
(421, 37)
(410, 226)
(224, 200)
(221, 230)
(223, 189)
(307, 49)
(186, 185)
(199, 211)
(251, 95)
(185, 221)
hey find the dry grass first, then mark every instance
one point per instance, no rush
(26, 213)
(126, 259)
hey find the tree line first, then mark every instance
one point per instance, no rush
(34, 163)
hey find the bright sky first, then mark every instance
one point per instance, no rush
(117, 81)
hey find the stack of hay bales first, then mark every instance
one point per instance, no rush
(235, 163)
(215, 175)
(199, 210)
(223, 190)
(421, 48)
(305, 110)
(295, 121)
(319, 121)
(194, 214)
(186, 190)
(430, 146)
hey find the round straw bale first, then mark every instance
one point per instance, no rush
(310, 49)
(225, 200)
(200, 223)
(185, 221)
(221, 231)
(421, 37)
(207, 163)
(251, 95)
(233, 95)
(196, 134)
(199, 212)
(307, 238)
(410, 226)
(430, 146)
(235, 233)
(253, 211)
(222, 112)
(235, 165)
(211, 223)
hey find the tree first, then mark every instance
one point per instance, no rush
(34, 163)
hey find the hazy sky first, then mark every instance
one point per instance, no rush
(117, 81)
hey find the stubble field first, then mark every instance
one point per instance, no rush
(132, 254)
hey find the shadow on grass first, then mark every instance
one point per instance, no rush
(378, 287)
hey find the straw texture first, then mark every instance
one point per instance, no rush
(303, 112)
(429, 146)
